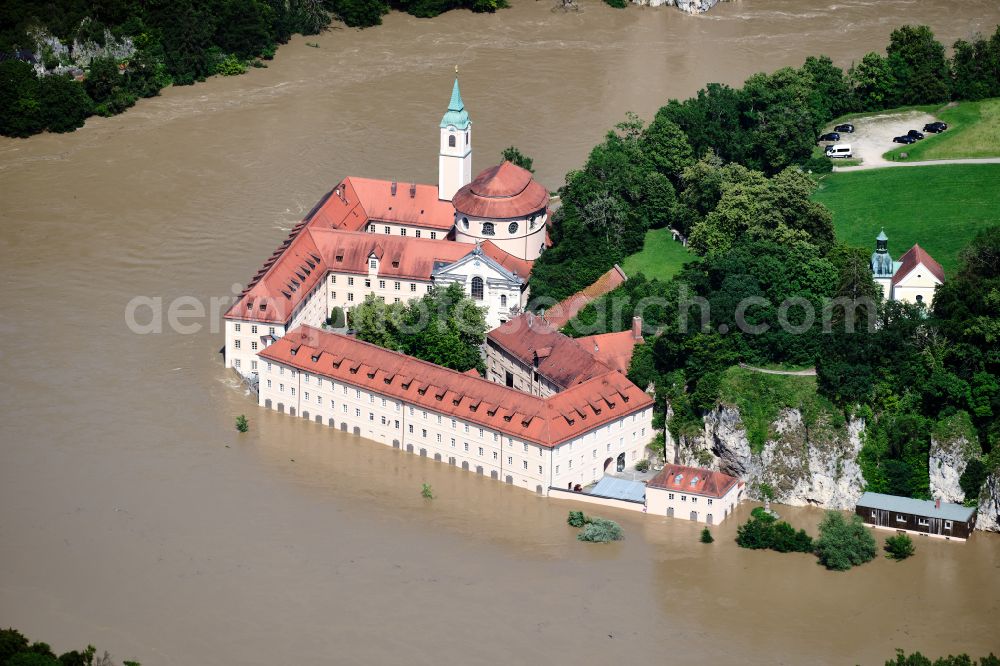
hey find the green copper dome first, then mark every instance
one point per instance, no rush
(456, 116)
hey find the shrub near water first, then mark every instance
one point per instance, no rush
(843, 542)
(899, 547)
(601, 530)
(764, 531)
(597, 530)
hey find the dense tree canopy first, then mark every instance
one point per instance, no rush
(444, 327)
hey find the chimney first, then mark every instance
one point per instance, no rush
(413, 190)
(636, 327)
(937, 503)
(393, 187)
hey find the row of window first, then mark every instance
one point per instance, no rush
(402, 232)
(489, 228)
(396, 285)
(922, 522)
(684, 498)
(254, 328)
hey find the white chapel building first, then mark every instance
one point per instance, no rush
(912, 279)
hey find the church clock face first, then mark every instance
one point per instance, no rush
(512, 228)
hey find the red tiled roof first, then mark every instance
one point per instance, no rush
(423, 209)
(295, 268)
(501, 192)
(557, 357)
(548, 422)
(356, 201)
(560, 313)
(915, 256)
(612, 349)
(707, 482)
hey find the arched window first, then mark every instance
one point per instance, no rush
(465, 223)
(477, 288)
(503, 300)
(488, 229)
(466, 138)
(451, 140)
(512, 228)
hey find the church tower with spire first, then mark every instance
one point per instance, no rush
(455, 155)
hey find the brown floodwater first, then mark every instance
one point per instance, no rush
(133, 516)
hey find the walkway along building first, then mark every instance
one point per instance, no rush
(565, 440)
(928, 517)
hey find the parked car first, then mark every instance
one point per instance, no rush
(935, 127)
(839, 150)
(846, 127)
(906, 138)
(914, 134)
(832, 136)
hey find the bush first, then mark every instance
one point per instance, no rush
(972, 478)
(576, 519)
(337, 319)
(231, 66)
(642, 466)
(764, 531)
(843, 542)
(242, 424)
(426, 492)
(617, 4)
(899, 547)
(601, 530)
(917, 659)
(706, 536)
(818, 165)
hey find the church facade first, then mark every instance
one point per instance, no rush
(912, 279)
(397, 240)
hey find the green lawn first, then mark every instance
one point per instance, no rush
(661, 256)
(761, 398)
(973, 131)
(940, 207)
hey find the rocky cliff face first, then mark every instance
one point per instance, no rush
(949, 456)
(689, 6)
(988, 518)
(803, 464)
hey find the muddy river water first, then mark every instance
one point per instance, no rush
(133, 516)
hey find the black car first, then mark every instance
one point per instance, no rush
(832, 136)
(906, 138)
(846, 127)
(914, 134)
(935, 127)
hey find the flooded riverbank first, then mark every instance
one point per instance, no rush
(135, 517)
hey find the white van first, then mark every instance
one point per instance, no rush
(839, 150)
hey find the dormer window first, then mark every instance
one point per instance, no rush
(373, 264)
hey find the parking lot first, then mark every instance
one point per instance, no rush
(873, 134)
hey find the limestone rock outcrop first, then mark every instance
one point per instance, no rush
(802, 463)
(953, 445)
(988, 518)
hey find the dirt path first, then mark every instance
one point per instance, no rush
(884, 164)
(808, 372)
